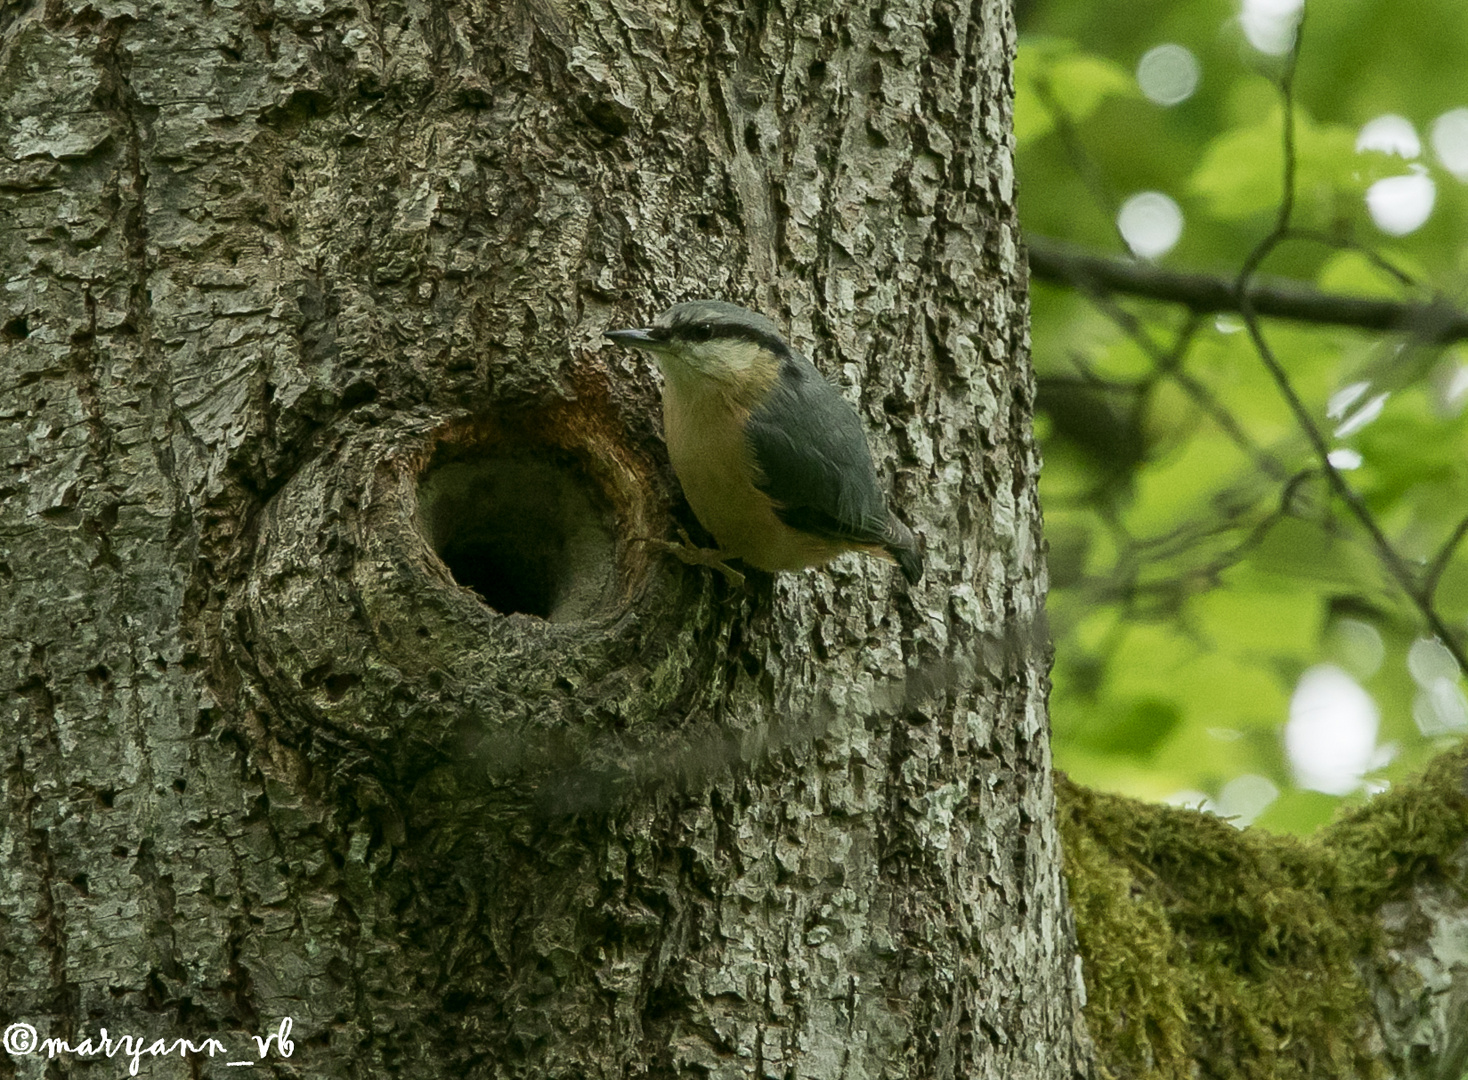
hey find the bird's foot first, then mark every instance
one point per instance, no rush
(690, 554)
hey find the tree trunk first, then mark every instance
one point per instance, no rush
(343, 688)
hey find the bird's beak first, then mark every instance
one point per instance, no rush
(635, 339)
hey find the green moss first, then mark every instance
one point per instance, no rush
(1404, 835)
(1214, 952)
(1135, 1007)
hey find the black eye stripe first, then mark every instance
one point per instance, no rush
(727, 331)
(695, 331)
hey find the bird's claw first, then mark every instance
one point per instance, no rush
(690, 554)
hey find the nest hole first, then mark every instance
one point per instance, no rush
(531, 536)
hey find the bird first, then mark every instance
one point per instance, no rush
(771, 458)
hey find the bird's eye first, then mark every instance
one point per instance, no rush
(700, 331)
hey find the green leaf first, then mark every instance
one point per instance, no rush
(1241, 174)
(1184, 482)
(1259, 622)
(1138, 728)
(1351, 273)
(1051, 75)
(1311, 552)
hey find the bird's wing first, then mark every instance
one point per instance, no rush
(813, 459)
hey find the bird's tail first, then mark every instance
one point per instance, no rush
(903, 547)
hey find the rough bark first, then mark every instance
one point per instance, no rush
(301, 337)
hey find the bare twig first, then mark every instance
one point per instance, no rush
(1396, 566)
(1444, 556)
(1370, 254)
(1169, 363)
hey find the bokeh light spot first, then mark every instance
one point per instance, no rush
(1150, 223)
(1270, 24)
(1363, 416)
(1168, 74)
(1450, 381)
(1389, 134)
(1450, 141)
(1330, 738)
(1440, 708)
(1358, 645)
(1401, 204)
(1429, 660)
(1344, 398)
(1245, 797)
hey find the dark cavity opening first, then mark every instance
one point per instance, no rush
(529, 535)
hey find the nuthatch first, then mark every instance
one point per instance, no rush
(772, 459)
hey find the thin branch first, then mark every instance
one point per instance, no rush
(1124, 582)
(1444, 556)
(1395, 564)
(1086, 377)
(1436, 323)
(1206, 294)
(1092, 178)
(1370, 254)
(1168, 363)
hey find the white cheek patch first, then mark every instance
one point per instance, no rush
(730, 358)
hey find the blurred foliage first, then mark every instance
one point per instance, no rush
(1201, 560)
